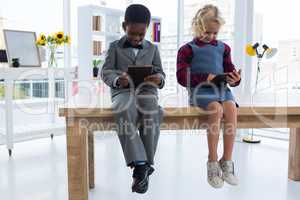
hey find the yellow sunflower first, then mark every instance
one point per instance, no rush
(67, 39)
(59, 37)
(41, 40)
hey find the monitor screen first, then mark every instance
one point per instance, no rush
(3, 56)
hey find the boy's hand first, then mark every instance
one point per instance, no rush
(210, 77)
(155, 78)
(123, 80)
(233, 77)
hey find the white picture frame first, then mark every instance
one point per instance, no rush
(22, 45)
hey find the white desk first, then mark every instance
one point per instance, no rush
(9, 75)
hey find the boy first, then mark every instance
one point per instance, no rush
(135, 109)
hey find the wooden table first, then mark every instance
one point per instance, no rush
(81, 122)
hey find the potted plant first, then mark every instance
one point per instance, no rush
(96, 64)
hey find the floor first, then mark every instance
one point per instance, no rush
(37, 171)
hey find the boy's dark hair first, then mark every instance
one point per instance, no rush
(137, 13)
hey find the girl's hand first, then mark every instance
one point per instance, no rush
(123, 80)
(155, 78)
(233, 77)
(210, 77)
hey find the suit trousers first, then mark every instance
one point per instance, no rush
(138, 118)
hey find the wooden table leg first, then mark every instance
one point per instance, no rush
(294, 154)
(77, 153)
(91, 160)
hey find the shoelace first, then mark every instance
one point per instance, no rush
(228, 167)
(212, 172)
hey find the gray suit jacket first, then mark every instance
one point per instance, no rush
(118, 58)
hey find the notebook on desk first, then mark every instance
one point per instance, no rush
(138, 73)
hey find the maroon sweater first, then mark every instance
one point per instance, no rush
(185, 56)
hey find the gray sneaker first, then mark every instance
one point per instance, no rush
(228, 172)
(214, 175)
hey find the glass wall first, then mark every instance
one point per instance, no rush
(33, 15)
(278, 80)
(40, 16)
(168, 45)
(279, 77)
(168, 38)
(226, 8)
(2, 90)
(167, 12)
(226, 33)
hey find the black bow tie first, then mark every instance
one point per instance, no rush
(127, 44)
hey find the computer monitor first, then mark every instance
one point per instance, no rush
(3, 56)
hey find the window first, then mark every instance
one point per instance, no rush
(226, 8)
(59, 88)
(40, 89)
(47, 15)
(22, 90)
(168, 38)
(46, 18)
(277, 30)
(168, 44)
(1, 90)
(226, 33)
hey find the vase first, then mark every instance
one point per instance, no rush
(52, 62)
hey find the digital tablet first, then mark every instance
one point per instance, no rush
(219, 79)
(138, 73)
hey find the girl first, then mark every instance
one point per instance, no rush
(198, 63)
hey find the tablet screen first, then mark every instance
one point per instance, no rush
(137, 73)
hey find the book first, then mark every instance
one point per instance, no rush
(155, 33)
(138, 73)
(96, 23)
(158, 32)
(97, 48)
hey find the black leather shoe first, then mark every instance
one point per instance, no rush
(141, 178)
(151, 170)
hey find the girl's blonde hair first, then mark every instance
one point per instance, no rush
(209, 13)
